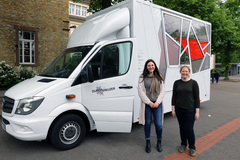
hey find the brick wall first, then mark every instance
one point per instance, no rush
(45, 16)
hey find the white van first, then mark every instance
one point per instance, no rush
(93, 83)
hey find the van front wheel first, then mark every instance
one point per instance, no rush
(67, 132)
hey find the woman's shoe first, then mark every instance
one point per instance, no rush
(192, 152)
(159, 146)
(148, 146)
(181, 149)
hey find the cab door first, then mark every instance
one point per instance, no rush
(108, 92)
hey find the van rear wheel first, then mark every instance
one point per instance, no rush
(67, 132)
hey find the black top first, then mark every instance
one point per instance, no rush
(186, 94)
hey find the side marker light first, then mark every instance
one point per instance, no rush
(71, 96)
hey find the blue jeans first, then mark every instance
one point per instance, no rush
(186, 119)
(157, 115)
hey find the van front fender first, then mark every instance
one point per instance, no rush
(73, 107)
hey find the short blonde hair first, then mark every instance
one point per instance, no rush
(185, 67)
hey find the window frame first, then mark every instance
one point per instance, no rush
(193, 25)
(78, 10)
(17, 41)
(85, 67)
(84, 11)
(73, 9)
(22, 49)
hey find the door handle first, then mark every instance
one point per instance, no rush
(124, 86)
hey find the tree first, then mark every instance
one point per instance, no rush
(227, 32)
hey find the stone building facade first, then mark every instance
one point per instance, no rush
(32, 32)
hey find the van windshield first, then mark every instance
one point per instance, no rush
(66, 62)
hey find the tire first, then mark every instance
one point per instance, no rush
(67, 132)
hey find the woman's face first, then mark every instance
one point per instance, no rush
(150, 67)
(185, 73)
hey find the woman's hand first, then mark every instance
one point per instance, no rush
(173, 111)
(155, 105)
(197, 114)
(151, 104)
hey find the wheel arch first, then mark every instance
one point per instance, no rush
(80, 111)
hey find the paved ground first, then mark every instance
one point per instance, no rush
(217, 136)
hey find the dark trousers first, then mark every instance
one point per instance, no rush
(186, 119)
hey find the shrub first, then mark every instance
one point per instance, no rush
(10, 77)
(226, 78)
(25, 73)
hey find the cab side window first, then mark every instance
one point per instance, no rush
(110, 61)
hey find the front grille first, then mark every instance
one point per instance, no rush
(5, 121)
(8, 104)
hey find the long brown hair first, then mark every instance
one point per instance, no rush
(156, 71)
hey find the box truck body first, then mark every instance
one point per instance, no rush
(93, 83)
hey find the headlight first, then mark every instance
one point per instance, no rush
(28, 105)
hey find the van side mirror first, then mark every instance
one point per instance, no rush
(90, 73)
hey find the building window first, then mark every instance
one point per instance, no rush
(84, 11)
(77, 10)
(71, 8)
(26, 47)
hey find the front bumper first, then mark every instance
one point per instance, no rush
(27, 128)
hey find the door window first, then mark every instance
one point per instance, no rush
(110, 61)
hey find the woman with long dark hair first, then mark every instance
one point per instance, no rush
(151, 92)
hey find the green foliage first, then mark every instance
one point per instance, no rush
(219, 70)
(25, 73)
(226, 33)
(235, 57)
(226, 78)
(10, 77)
(196, 8)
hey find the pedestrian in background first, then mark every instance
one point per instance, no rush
(216, 76)
(212, 75)
(151, 92)
(185, 106)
